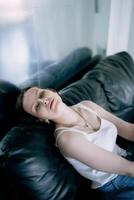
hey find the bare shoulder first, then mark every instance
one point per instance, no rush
(102, 112)
(92, 105)
(65, 140)
(68, 141)
(86, 102)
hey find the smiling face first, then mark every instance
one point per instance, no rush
(42, 103)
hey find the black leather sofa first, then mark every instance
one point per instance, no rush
(31, 167)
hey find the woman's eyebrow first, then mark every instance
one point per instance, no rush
(37, 93)
(35, 96)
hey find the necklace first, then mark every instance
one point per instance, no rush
(86, 124)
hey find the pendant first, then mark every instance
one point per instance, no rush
(87, 125)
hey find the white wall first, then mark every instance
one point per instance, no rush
(119, 26)
(48, 30)
(131, 33)
(63, 25)
(102, 25)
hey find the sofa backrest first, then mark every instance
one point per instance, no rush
(110, 84)
(60, 73)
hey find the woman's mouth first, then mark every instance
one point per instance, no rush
(51, 103)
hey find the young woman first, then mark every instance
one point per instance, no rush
(86, 136)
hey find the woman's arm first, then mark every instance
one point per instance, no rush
(76, 146)
(125, 129)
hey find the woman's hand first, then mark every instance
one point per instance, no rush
(131, 169)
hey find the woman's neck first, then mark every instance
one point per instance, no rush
(68, 117)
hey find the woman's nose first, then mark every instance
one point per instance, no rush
(44, 100)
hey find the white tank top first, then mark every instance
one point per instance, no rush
(105, 138)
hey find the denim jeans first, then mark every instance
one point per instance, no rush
(120, 188)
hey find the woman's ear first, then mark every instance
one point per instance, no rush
(45, 120)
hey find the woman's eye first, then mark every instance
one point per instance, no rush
(37, 106)
(41, 95)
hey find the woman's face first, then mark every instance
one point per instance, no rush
(42, 103)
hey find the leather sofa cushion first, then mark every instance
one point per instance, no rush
(8, 94)
(34, 167)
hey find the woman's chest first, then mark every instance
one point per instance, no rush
(92, 120)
